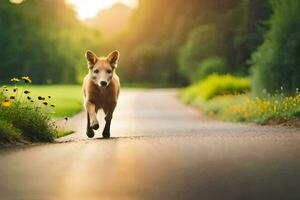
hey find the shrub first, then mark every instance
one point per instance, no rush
(8, 132)
(213, 65)
(23, 116)
(215, 85)
(277, 63)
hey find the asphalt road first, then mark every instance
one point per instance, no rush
(161, 149)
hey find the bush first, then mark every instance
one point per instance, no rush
(277, 63)
(33, 122)
(22, 117)
(8, 132)
(214, 65)
(215, 85)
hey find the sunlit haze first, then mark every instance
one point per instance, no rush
(89, 8)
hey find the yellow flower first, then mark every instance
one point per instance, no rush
(12, 97)
(45, 103)
(15, 80)
(4, 86)
(6, 103)
(15, 89)
(26, 91)
(26, 79)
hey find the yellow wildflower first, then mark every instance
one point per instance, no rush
(15, 80)
(26, 79)
(6, 103)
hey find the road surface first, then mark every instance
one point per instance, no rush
(161, 149)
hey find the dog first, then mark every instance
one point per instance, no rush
(101, 88)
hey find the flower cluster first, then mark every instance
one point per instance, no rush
(15, 95)
(276, 106)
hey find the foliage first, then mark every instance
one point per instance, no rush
(166, 47)
(213, 65)
(277, 63)
(8, 132)
(203, 42)
(44, 40)
(23, 116)
(181, 35)
(276, 107)
(216, 85)
(148, 62)
(251, 27)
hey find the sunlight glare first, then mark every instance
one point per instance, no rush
(89, 8)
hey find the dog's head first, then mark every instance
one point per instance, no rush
(101, 69)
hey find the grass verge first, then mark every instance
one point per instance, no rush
(272, 109)
(26, 111)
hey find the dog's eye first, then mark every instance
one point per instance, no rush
(108, 71)
(96, 71)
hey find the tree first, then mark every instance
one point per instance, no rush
(276, 63)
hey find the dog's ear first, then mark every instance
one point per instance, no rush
(113, 58)
(91, 58)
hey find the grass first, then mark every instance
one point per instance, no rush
(66, 98)
(276, 108)
(26, 111)
(271, 109)
(62, 133)
(21, 119)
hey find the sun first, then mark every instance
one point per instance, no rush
(89, 8)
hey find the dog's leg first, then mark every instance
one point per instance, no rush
(108, 117)
(89, 131)
(91, 109)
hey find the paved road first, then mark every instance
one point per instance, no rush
(160, 149)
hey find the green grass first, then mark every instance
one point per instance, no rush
(25, 121)
(21, 119)
(272, 109)
(62, 133)
(66, 98)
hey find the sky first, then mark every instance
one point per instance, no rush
(89, 8)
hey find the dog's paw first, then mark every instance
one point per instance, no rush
(90, 133)
(95, 125)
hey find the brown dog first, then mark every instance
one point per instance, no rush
(101, 88)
